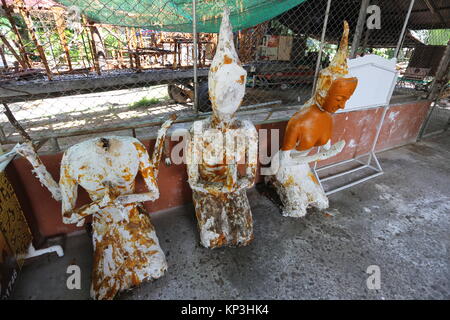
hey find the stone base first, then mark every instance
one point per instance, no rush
(224, 219)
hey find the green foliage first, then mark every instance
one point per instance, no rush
(5, 26)
(436, 37)
(144, 102)
(111, 43)
(387, 53)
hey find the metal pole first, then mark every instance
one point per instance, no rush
(402, 34)
(359, 27)
(322, 39)
(195, 40)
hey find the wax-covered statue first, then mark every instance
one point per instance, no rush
(218, 147)
(311, 127)
(126, 248)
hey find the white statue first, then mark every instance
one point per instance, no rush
(216, 147)
(126, 248)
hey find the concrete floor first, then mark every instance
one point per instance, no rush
(398, 221)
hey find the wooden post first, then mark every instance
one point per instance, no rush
(2, 54)
(175, 54)
(16, 123)
(120, 58)
(99, 46)
(138, 60)
(92, 46)
(128, 38)
(141, 40)
(135, 48)
(60, 28)
(179, 53)
(32, 32)
(85, 48)
(21, 46)
(200, 53)
(2, 136)
(440, 76)
(94, 52)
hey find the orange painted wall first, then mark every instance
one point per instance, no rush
(402, 124)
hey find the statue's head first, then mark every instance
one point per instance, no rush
(334, 85)
(226, 78)
(340, 91)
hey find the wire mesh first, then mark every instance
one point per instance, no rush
(67, 76)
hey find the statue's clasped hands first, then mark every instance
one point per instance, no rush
(219, 187)
(295, 158)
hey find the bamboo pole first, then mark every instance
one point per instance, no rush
(32, 32)
(60, 28)
(10, 48)
(21, 46)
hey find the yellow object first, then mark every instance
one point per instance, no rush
(13, 224)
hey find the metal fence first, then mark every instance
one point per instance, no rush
(66, 77)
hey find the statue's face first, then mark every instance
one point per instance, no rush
(340, 91)
(229, 88)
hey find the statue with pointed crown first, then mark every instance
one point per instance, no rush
(311, 127)
(222, 153)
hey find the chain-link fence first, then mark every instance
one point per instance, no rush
(75, 69)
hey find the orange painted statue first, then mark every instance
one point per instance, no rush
(311, 127)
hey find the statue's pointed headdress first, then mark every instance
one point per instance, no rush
(338, 67)
(227, 78)
(225, 47)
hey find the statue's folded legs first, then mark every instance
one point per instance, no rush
(219, 146)
(308, 128)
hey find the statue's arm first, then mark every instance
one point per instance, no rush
(159, 145)
(251, 152)
(148, 173)
(193, 158)
(26, 150)
(149, 169)
(292, 135)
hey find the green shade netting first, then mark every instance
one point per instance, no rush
(176, 15)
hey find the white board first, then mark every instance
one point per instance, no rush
(376, 81)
